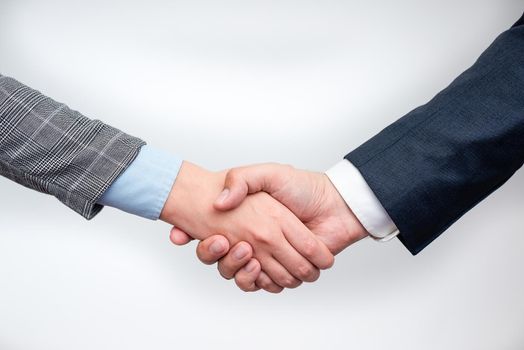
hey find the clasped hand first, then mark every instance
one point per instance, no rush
(284, 225)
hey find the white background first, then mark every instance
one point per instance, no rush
(223, 83)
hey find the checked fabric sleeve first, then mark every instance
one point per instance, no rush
(50, 148)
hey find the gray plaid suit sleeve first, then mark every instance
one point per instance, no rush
(50, 148)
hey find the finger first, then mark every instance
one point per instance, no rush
(307, 243)
(210, 250)
(246, 277)
(263, 281)
(179, 237)
(237, 258)
(296, 264)
(278, 273)
(251, 179)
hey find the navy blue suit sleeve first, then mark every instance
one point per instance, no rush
(434, 164)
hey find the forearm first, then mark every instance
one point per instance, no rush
(50, 148)
(437, 162)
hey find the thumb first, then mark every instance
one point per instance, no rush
(246, 180)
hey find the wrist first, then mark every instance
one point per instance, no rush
(353, 228)
(189, 204)
(367, 208)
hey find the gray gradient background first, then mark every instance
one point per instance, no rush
(223, 83)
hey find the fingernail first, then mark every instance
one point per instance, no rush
(240, 252)
(223, 195)
(216, 247)
(250, 267)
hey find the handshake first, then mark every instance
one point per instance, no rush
(272, 226)
(283, 225)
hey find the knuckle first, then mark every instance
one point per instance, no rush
(244, 285)
(233, 175)
(310, 248)
(306, 272)
(294, 284)
(271, 287)
(327, 262)
(276, 214)
(245, 289)
(265, 283)
(288, 281)
(275, 290)
(225, 276)
(225, 272)
(261, 237)
(202, 253)
(207, 260)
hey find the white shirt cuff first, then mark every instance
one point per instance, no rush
(357, 194)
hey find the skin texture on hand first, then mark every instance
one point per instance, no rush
(286, 250)
(309, 195)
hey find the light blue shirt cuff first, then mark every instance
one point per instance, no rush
(142, 189)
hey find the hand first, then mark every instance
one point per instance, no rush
(309, 195)
(287, 251)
